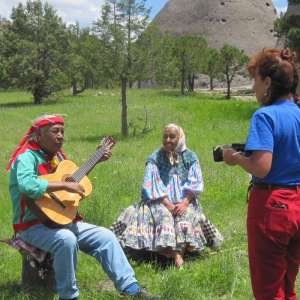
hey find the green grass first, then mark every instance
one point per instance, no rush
(207, 121)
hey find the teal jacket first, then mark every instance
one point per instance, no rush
(24, 182)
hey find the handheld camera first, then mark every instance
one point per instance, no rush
(218, 150)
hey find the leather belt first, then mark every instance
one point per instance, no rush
(265, 186)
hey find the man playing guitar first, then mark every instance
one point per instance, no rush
(39, 153)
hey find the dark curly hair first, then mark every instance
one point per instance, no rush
(280, 66)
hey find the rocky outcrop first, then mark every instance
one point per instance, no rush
(298, 89)
(246, 24)
(294, 11)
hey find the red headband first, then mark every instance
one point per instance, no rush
(24, 143)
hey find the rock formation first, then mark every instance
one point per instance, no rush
(246, 24)
(294, 11)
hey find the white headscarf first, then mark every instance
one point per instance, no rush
(181, 145)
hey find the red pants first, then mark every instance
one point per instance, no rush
(273, 226)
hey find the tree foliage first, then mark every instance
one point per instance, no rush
(213, 65)
(83, 59)
(288, 28)
(38, 52)
(154, 58)
(5, 81)
(34, 49)
(233, 59)
(145, 52)
(121, 24)
(189, 51)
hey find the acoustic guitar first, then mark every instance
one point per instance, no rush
(57, 209)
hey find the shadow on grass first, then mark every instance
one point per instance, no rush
(16, 104)
(54, 99)
(117, 136)
(14, 290)
(173, 94)
(96, 139)
(161, 262)
(26, 104)
(11, 288)
(70, 98)
(199, 95)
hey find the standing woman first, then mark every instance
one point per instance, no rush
(274, 202)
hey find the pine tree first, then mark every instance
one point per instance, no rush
(120, 25)
(233, 59)
(34, 49)
(288, 27)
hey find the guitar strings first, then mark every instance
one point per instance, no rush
(87, 167)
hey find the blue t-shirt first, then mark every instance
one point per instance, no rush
(276, 128)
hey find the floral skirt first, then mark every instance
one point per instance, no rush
(152, 227)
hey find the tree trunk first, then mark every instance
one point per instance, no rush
(211, 83)
(228, 81)
(194, 78)
(193, 83)
(298, 68)
(189, 81)
(182, 73)
(182, 82)
(37, 95)
(139, 84)
(87, 83)
(74, 87)
(75, 90)
(228, 94)
(32, 280)
(124, 107)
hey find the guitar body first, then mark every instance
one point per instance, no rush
(49, 211)
(57, 209)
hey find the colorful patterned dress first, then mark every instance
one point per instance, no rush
(149, 225)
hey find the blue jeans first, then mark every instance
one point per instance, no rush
(64, 243)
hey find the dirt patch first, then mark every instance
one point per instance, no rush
(106, 285)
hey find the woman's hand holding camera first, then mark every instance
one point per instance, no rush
(230, 156)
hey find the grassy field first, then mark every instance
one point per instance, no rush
(207, 120)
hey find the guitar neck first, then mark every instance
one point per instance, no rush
(87, 166)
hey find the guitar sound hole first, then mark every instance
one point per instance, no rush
(68, 178)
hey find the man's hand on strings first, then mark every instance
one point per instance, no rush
(106, 155)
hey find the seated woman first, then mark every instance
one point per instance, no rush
(169, 220)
